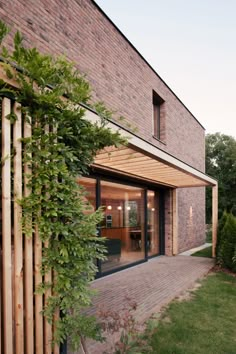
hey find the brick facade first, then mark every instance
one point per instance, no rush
(123, 80)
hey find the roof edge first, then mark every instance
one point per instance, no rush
(127, 133)
(142, 57)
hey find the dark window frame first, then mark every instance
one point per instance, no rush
(130, 182)
(157, 102)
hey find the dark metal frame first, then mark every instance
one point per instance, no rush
(104, 176)
(98, 203)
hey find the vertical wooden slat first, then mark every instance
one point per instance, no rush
(6, 228)
(175, 222)
(48, 279)
(38, 297)
(29, 324)
(18, 249)
(0, 300)
(214, 218)
(56, 348)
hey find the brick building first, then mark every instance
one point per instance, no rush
(153, 191)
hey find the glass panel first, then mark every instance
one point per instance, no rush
(90, 195)
(123, 224)
(153, 223)
(89, 185)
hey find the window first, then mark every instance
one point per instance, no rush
(157, 102)
(123, 225)
(90, 196)
(153, 223)
(132, 220)
(131, 216)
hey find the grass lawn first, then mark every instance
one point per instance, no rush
(205, 324)
(209, 236)
(206, 252)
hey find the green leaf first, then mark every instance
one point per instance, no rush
(3, 30)
(62, 147)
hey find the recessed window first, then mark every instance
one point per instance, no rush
(157, 102)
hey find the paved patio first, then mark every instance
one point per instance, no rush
(152, 285)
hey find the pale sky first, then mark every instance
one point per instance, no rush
(192, 46)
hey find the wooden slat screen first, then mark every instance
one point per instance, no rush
(48, 279)
(18, 240)
(6, 230)
(22, 327)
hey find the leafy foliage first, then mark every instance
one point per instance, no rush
(62, 147)
(226, 245)
(221, 164)
(123, 322)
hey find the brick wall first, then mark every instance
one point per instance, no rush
(119, 77)
(191, 214)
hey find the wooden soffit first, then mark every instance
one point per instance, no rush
(130, 161)
(144, 161)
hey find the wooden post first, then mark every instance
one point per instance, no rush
(18, 246)
(175, 222)
(214, 218)
(38, 297)
(48, 293)
(29, 316)
(56, 317)
(56, 348)
(0, 301)
(6, 228)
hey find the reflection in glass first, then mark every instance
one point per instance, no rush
(123, 224)
(153, 223)
(89, 185)
(131, 208)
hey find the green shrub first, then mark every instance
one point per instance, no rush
(227, 241)
(221, 225)
(234, 257)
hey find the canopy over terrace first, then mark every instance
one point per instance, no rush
(142, 160)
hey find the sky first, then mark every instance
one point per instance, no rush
(192, 46)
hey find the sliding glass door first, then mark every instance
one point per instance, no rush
(123, 224)
(131, 223)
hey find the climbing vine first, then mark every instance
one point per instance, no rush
(62, 147)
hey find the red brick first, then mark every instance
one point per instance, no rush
(123, 80)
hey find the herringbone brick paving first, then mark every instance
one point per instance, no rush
(152, 285)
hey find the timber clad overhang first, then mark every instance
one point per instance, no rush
(143, 160)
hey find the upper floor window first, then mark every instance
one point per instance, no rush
(157, 102)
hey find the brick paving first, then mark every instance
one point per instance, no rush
(152, 285)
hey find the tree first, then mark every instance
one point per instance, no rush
(221, 164)
(226, 243)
